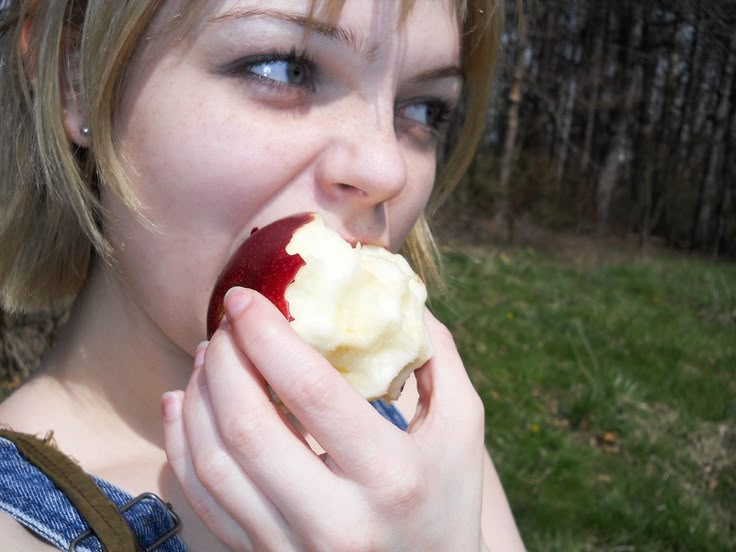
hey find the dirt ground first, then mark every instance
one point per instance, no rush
(458, 229)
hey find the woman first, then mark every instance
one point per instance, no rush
(148, 139)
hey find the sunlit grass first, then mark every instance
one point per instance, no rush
(610, 394)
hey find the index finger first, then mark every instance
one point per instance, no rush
(341, 421)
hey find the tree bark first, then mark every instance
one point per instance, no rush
(567, 113)
(705, 227)
(596, 79)
(505, 208)
(609, 176)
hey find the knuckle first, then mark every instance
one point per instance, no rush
(314, 390)
(443, 333)
(354, 537)
(243, 432)
(469, 422)
(476, 432)
(201, 506)
(356, 541)
(476, 412)
(405, 490)
(346, 525)
(212, 467)
(176, 458)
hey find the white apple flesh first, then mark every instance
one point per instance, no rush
(361, 307)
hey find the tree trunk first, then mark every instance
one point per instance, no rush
(597, 70)
(568, 113)
(609, 176)
(505, 208)
(704, 227)
(652, 101)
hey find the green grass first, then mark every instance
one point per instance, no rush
(610, 394)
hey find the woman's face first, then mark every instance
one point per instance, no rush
(260, 115)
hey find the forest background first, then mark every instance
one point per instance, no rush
(616, 116)
(589, 252)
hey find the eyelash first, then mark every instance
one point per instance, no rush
(438, 119)
(244, 68)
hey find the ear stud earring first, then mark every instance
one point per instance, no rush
(85, 131)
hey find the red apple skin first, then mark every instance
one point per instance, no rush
(260, 263)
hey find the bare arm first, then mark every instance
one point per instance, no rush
(497, 523)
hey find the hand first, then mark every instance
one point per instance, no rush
(253, 479)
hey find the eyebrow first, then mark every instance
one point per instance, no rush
(450, 71)
(342, 35)
(310, 24)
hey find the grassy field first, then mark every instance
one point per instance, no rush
(610, 392)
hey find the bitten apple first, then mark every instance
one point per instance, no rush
(361, 307)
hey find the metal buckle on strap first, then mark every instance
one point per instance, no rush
(127, 506)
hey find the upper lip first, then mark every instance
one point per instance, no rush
(335, 224)
(354, 238)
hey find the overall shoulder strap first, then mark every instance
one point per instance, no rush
(94, 506)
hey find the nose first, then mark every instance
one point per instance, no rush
(362, 165)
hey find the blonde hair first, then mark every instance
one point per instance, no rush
(51, 219)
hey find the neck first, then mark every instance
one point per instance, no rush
(114, 363)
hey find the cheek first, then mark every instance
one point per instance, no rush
(194, 148)
(208, 169)
(405, 211)
(201, 182)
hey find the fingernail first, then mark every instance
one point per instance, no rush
(199, 354)
(170, 406)
(236, 301)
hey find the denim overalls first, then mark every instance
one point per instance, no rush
(27, 495)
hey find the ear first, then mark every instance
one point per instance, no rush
(72, 110)
(76, 124)
(75, 121)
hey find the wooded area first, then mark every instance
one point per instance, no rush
(616, 116)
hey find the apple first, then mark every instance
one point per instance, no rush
(361, 307)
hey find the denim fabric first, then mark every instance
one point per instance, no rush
(27, 495)
(391, 413)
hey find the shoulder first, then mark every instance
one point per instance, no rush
(17, 537)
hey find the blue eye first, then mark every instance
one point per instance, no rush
(284, 71)
(432, 114)
(288, 69)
